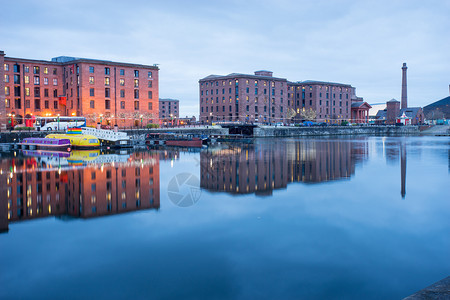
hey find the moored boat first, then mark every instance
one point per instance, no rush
(177, 140)
(79, 141)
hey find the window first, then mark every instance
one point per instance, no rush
(136, 105)
(92, 104)
(55, 93)
(106, 80)
(91, 79)
(136, 94)
(45, 92)
(45, 70)
(7, 90)
(46, 106)
(150, 95)
(7, 103)
(36, 80)
(150, 74)
(122, 82)
(36, 70)
(91, 92)
(27, 79)
(122, 104)
(27, 91)
(17, 91)
(136, 83)
(122, 93)
(37, 92)
(150, 106)
(6, 78)
(91, 69)
(45, 80)
(150, 84)
(107, 104)
(55, 81)
(55, 71)
(27, 104)
(6, 67)
(122, 72)
(27, 69)
(107, 71)
(136, 73)
(37, 104)
(107, 93)
(55, 104)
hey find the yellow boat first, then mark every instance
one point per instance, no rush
(78, 141)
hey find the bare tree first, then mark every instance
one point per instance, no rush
(308, 114)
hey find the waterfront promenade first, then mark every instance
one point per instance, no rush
(258, 131)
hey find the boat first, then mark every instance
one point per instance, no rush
(233, 138)
(77, 139)
(46, 143)
(171, 139)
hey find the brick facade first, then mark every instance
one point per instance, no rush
(169, 111)
(261, 98)
(103, 91)
(258, 98)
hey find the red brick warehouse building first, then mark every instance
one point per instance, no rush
(103, 91)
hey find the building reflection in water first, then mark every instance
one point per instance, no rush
(85, 184)
(264, 166)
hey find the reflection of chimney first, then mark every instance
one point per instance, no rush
(403, 168)
(404, 87)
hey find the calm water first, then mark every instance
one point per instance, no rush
(333, 218)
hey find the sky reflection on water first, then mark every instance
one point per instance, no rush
(322, 218)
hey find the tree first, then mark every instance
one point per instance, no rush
(435, 114)
(290, 114)
(308, 114)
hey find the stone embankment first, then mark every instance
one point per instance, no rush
(270, 131)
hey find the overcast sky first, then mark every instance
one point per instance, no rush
(362, 43)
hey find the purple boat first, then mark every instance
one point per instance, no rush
(46, 143)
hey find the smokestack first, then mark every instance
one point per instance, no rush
(404, 87)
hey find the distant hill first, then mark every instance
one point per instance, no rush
(442, 105)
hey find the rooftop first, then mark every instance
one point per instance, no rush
(315, 82)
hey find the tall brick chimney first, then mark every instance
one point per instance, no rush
(404, 87)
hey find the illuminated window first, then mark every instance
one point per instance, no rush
(55, 81)
(45, 80)
(6, 67)
(36, 70)
(6, 78)
(27, 79)
(122, 82)
(91, 79)
(45, 70)
(150, 74)
(36, 80)
(106, 80)
(7, 91)
(136, 83)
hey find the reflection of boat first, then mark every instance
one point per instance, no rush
(46, 143)
(43, 153)
(78, 157)
(170, 139)
(78, 141)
